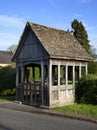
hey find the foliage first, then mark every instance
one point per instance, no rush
(81, 34)
(92, 67)
(12, 48)
(30, 77)
(94, 53)
(7, 98)
(7, 81)
(89, 111)
(86, 91)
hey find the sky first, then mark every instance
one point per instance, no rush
(52, 13)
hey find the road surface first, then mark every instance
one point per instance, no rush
(18, 120)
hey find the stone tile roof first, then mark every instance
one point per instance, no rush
(59, 43)
(5, 57)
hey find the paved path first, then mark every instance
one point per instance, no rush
(19, 120)
(31, 109)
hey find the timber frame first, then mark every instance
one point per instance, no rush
(46, 72)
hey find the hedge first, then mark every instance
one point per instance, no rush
(86, 91)
(7, 81)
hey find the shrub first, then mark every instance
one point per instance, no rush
(92, 67)
(7, 81)
(86, 91)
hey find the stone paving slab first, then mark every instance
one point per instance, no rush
(26, 108)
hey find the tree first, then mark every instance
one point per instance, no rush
(81, 34)
(12, 48)
(94, 53)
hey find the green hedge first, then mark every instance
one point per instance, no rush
(7, 81)
(86, 91)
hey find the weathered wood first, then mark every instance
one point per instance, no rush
(29, 93)
(37, 50)
(42, 79)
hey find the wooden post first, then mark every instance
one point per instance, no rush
(17, 76)
(86, 68)
(22, 74)
(59, 73)
(74, 75)
(59, 80)
(17, 82)
(42, 80)
(33, 73)
(80, 71)
(22, 82)
(66, 74)
(50, 81)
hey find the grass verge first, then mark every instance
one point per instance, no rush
(89, 111)
(7, 98)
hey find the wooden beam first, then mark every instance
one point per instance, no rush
(66, 74)
(42, 79)
(50, 81)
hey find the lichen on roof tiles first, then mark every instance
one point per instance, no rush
(58, 42)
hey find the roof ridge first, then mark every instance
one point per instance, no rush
(45, 26)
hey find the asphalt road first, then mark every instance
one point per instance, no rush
(17, 120)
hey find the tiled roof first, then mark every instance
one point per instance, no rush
(59, 43)
(5, 57)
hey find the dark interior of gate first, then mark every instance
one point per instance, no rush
(34, 89)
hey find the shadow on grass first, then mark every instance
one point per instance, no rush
(7, 98)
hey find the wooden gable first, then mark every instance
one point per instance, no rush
(32, 49)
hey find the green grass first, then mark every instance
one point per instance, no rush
(7, 98)
(88, 111)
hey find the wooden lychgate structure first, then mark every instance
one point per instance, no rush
(49, 64)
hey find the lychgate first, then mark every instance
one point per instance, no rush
(49, 64)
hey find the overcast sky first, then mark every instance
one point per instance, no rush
(53, 13)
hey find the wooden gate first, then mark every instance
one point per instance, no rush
(30, 93)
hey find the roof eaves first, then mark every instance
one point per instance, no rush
(71, 58)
